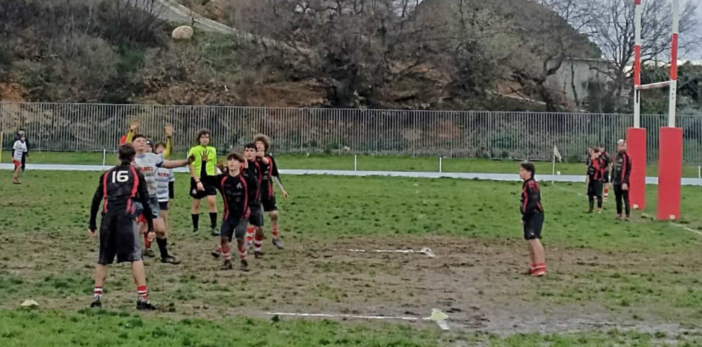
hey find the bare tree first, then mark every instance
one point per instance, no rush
(611, 25)
(547, 39)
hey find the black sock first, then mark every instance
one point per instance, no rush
(196, 220)
(591, 202)
(163, 247)
(213, 219)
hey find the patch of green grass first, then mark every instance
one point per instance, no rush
(108, 328)
(326, 206)
(111, 328)
(365, 163)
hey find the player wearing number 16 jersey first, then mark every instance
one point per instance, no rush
(120, 188)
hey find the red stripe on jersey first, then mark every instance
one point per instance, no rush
(624, 168)
(525, 198)
(104, 190)
(260, 173)
(271, 193)
(246, 196)
(224, 197)
(135, 187)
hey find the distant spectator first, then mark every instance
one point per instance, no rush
(18, 136)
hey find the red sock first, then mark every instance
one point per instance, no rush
(275, 231)
(143, 293)
(226, 251)
(147, 242)
(242, 252)
(97, 292)
(250, 234)
(258, 243)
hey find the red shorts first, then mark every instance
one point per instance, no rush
(17, 163)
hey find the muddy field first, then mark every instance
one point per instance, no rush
(480, 284)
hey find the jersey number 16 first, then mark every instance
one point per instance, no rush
(120, 176)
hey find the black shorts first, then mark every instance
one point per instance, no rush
(594, 188)
(256, 215)
(533, 226)
(119, 236)
(234, 228)
(163, 205)
(209, 185)
(269, 203)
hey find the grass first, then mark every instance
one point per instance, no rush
(365, 163)
(638, 273)
(114, 328)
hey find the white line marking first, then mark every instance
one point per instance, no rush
(437, 316)
(426, 251)
(686, 228)
(410, 174)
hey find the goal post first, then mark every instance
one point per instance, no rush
(670, 139)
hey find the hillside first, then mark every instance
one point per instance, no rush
(435, 56)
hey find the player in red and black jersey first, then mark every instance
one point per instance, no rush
(532, 219)
(621, 170)
(270, 174)
(234, 187)
(595, 179)
(607, 160)
(119, 188)
(253, 169)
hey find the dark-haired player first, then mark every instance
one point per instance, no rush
(203, 171)
(253, 169)
(148, 164)
(270, 174)
(621, 170)
(532, 219)
(234, 187)
(120, 187)
(607, 161)
(594, 179)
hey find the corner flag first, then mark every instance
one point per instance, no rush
(557, 154)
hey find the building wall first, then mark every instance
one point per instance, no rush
(583, 72)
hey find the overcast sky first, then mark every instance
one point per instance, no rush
(697, 54)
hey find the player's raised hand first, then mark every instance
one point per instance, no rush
(260, 153)
(134, 125)
(169, 130)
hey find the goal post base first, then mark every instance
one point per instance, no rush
(636, 147)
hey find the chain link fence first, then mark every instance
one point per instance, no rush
(458, 134)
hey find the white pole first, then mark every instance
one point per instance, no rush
(104, 154)
(355, 162)
(674, 65)
(637, 64)
(440, 164)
